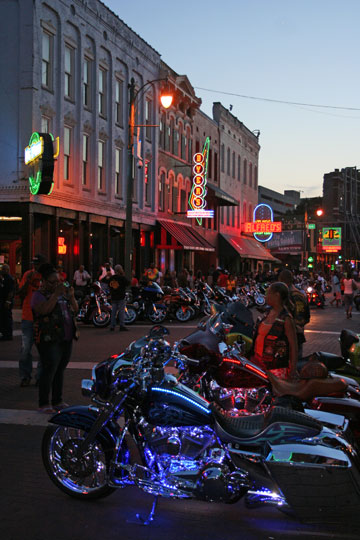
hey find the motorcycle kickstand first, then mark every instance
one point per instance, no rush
(140, 520)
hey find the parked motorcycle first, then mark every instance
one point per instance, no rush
(95, 308)
(314, 298)
(179, 304)
(191, 449)
(148, 305)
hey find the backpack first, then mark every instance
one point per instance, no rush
(301, 312)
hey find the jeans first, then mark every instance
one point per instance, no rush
(6, 320)
(25, 363)
(118, 306)
(54, 357)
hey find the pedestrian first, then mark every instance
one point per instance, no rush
(117, 286)
(54, 308)
(349, 287)
(275, 343)
(335, 281)
(29, 283)
(81, 280)
(105, 277)
(152, 273)
(7, 292)
(222, 279)
(299, 308)
(230, 284)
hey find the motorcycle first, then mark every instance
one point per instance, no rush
(95, 308)
(147, 305)
(314, 298)
(190, 449)
(179, 304)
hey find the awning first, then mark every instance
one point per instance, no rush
(186, 235)
(249, 248)
(224, 198)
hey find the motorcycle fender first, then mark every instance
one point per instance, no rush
(332, 420)
(81, 417)
(303, 455)
(346, 406)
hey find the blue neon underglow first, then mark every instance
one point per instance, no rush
(165, 391)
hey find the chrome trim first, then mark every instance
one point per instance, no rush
(87, 387)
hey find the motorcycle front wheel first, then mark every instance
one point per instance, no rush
(130, 315)
(102, 319)
(158, 315)
(83, 477)
(183, 315)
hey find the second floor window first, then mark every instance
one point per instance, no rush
(47, 60)
(87, 83)
(222, 158)
(102, 92)
(245, 171)
(239, 168)
(85, 160)
(148, 119)
(69, 72)
(67, 152)
(147, 181)
(119, 89)
(162, 187)
(45, 124)
(101, 162)
(228, 162)
(174, 199)
(233, 165)
(118, 169)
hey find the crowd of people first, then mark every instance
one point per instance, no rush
(49, 309)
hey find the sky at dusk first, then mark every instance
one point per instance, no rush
(304, 51)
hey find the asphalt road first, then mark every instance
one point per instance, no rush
(32, 508)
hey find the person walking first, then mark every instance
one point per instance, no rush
(335, 281)
(117, 286)
(7, 291)
(81, 280)
(275, 343)
(54, 307)
(29, 283)
(349, 288)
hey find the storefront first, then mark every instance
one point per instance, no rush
(252, 255)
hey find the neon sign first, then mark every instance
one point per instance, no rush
(40, 155)
(263, 225)
(62, 247)
(331, 239)
(198, 192)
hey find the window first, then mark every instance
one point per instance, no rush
(215, 166)
(250, 174)
(101, 161)
(147, 180)
(67, 152)
(174, 204)
(118, 171)
(85, 161)
(244, 213)
(255, 177)
(119, 93)
(148, 119)
(102, 90)
(239, 168)
(45, 124)
(245, 170)
(222, 158)
(172, 136)
(47, 60)
(182, 200)
(233, 216)
(162, 188)
(228, 162)
(69, 72)
(87, 83)
(182, 145)
(233, 164)
(162, 127)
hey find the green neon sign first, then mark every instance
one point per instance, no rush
(311, 225)
(39, 156)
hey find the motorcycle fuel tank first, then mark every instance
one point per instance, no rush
(232, 373)
(173, 404)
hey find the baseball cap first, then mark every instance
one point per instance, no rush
(38, 259)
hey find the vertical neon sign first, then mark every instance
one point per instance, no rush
(198, 192)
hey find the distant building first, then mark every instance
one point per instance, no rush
(279, 202)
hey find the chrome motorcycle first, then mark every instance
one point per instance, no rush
(191, 449)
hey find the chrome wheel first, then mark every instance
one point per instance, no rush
(158, 315)
(83, 475)
(101, 319)
(130, 315)
(183, 315)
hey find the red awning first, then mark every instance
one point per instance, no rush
(249, 248)
(187, 236)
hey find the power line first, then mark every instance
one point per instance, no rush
(277, 100)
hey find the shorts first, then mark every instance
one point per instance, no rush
(348, 300)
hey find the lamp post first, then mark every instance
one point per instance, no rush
(166, 101)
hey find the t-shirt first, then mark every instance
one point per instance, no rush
(117, 286)
(81, 278)
(27, 314)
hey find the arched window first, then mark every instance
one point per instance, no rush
(162, 188)
(233, 165)
(228, 162)
(222, 158)
(245, 171)
(239, 168)
(250, 174)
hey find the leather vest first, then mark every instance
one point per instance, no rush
(276, 345)
(49, 328)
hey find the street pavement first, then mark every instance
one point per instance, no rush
(32, 508)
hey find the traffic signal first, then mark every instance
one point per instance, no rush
(310, 262)
(319, 212)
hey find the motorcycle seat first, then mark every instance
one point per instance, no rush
(306, 389)
(330, 360)
(250, 427)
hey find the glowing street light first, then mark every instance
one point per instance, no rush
(319, 212)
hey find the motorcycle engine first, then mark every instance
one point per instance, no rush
(241, 401)
(191, 456)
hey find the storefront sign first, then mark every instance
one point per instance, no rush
(62, 247)
(331, 239)
(263, 225)
(40, 156)
(197, 202)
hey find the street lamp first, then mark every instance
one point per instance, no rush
(166, 99)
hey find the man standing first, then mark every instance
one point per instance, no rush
(117, 286)
(301, 310)
(153, 273)
(29, 283)
(81, 280)
(7, 289)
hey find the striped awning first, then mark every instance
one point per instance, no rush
(249, 248)
(186, 235)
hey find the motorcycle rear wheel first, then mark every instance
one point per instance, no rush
(183, 315)
(84, 478)
(101, 320)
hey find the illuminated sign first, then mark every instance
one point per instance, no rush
(331, 239)
(62, 247)
(263, 225)
(311, 226)
(40, 155)
(198, 192)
